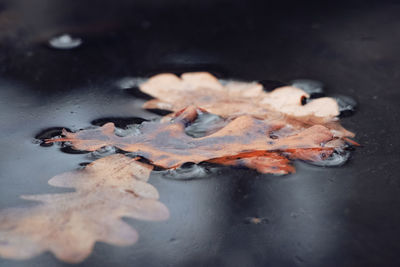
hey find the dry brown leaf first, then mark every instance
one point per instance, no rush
(235, 98)
(69, 224)
(167, 145)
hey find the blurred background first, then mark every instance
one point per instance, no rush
(346, 216)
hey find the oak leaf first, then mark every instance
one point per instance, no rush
(263, 131)
(235, 98)
(69, 224)
(245, 139)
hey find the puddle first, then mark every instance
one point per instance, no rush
(199, 131)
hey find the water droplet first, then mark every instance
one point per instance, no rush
(205, 124)
(187, 171)
(313, 88)
(336, 159)
(65, 41)
(130, 130)
(347, 105)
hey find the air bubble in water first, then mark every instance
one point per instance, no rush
(65, 41)
(130, 130)
(103, 152)
(336, 159)
(312, 87)
(187, 171)
(205, 124)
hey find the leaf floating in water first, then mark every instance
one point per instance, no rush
(69, 224)
(235, 98)
(243, 141)
(250, 127)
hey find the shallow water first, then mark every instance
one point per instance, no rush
(315, 217)
(32, 163)
(207, 201)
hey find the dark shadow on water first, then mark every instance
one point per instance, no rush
(119, 122)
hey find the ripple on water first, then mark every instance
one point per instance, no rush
(336, 159)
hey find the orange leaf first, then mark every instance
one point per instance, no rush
(167, 145)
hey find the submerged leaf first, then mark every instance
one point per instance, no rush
(167, 145)
(69, 224)
(254, 127)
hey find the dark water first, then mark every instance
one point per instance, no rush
(346, 216)
(312, 87)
